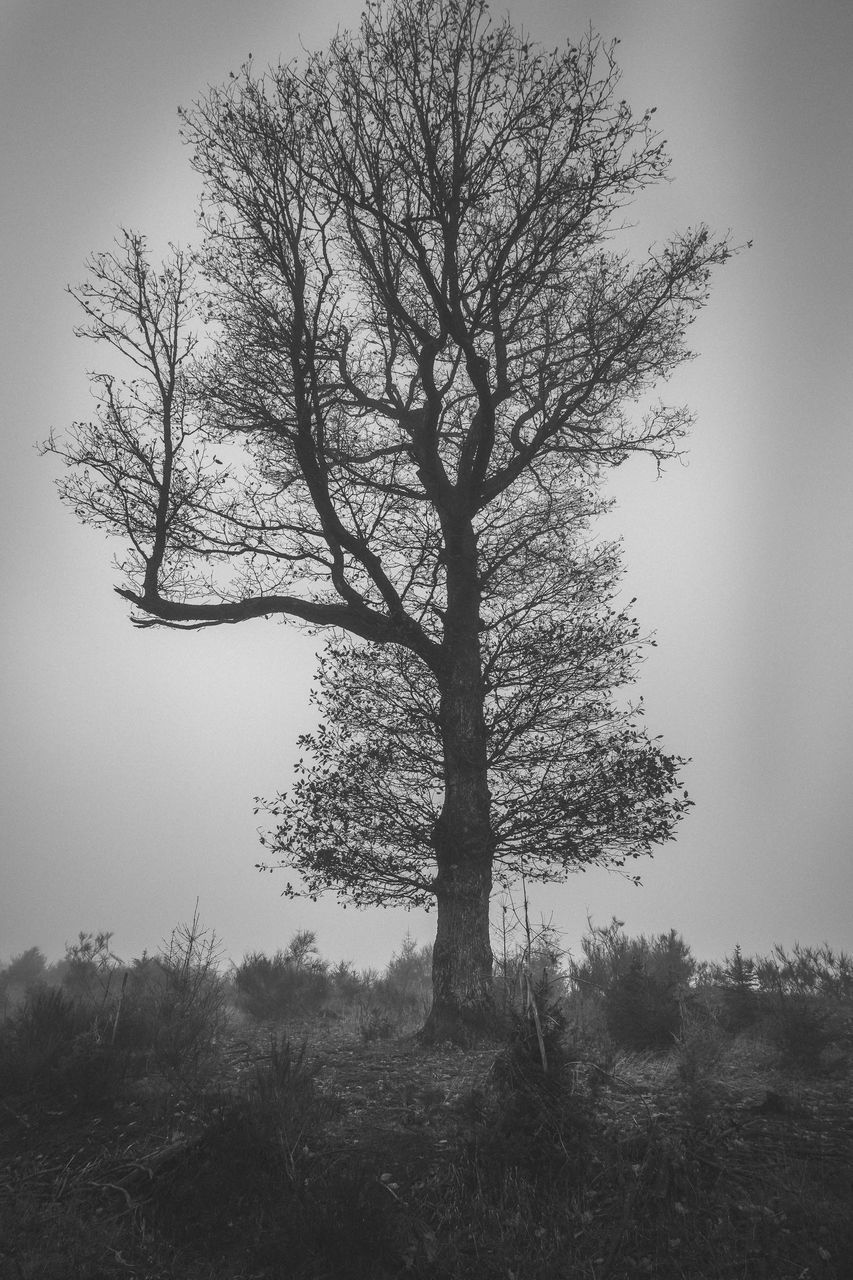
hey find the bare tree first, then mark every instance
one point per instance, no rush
(423, 341)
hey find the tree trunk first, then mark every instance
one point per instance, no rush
(463, 997)
(463, 1008)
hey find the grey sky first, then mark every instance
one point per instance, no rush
(130, 759)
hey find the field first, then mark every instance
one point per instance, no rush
(197, 1141)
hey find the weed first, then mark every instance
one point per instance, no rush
(375, 1023)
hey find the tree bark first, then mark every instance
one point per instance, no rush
(463, 1007)
(463, 997)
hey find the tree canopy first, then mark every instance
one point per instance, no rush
(574, 778)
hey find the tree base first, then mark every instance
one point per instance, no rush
(466, 1028)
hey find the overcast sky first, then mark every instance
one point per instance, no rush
(130, 759)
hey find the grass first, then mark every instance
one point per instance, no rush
(339, 1148)
(346, 1158)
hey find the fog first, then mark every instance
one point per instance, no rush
(130, 759)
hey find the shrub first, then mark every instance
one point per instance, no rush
(801, 1000)
(270, 988)
(290, 983)
(59, 1048)
(375, 1022)
(608, 953)
(540, 1123)
(175, 1008)
(641, 1011)
(537, 958)
(640, 982)
(21, 974)
(406, 985)
(741, 1002)
(89, 969)
(802, 1029)
(807, 971)
(264, 985)
(36, 1036)
(346, 984)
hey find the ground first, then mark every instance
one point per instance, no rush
(314, 1152)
